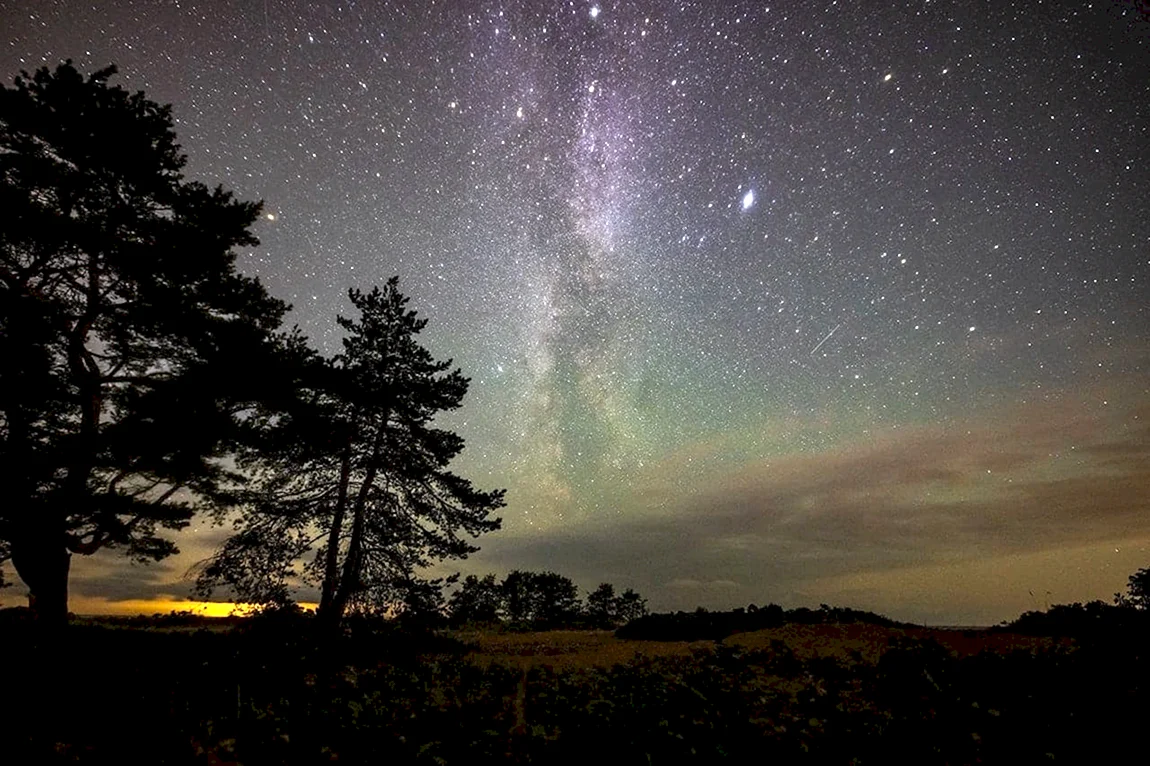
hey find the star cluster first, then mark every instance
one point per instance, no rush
(722, 273)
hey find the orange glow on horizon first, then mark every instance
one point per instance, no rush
(166, 605)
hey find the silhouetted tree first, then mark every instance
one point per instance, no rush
(354, 471)
(539, 599)
(605, 609)
(630, 606)
(555, 600)
(1137, 593)
(518, 596)
(476, 601)
(126, 333)
(602, 606)
(422, 604)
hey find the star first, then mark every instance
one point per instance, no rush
(575, 209)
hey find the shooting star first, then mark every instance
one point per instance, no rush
(825, 339)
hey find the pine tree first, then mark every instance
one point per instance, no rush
(355, 494)
(126, 332)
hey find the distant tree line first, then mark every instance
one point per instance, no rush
(1128, 616)
(541, 601)
(1093, 619)
(705, 625)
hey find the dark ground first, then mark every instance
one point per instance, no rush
(268, 691)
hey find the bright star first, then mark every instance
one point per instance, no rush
(594, 11)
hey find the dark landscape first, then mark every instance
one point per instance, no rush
(500, 368)
(1064, 686)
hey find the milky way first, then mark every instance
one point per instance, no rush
(792, 301)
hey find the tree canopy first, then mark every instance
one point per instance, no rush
(350, 485)
(540, 600)
(1137, 593)
(130, 342)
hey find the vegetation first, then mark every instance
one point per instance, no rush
(1127, 617)
(1137, 595)
(703, 625)
(1092, 620)
(271, 690)
(353, 472)
(145, 379)
(130, 342)
(540, 601)
(605, 609)
(142, 370)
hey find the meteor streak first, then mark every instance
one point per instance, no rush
(826, 338)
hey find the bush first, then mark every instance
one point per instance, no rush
(702, 625)
(1093, 620)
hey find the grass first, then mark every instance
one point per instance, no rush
(578, 649)
(182, 691)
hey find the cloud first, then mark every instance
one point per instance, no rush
(1006, 492)
(1041, 476)
(988, 590)
(108, 575)
(696, 585)
(1028, 481)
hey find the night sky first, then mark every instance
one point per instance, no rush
(842, 302)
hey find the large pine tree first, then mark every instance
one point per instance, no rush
(126, 333)
(351, 489)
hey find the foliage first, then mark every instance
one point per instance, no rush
(1137, 593)
(603, 606)
(350, 487)
(422, 604)
(605, 609)
(555, 600)
(279, 693)
(477, 602)
(629, 606)
(540, 601)
(1095, 620)
(1091, 620)
(131, 344)
(517, 591)
(705, 625)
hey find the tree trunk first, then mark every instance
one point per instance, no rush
(352, 563)
(349, 577)
(348, 581)
(42, 560)
(326, 612)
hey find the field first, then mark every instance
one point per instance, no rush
(581, 649)
(268, 692)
